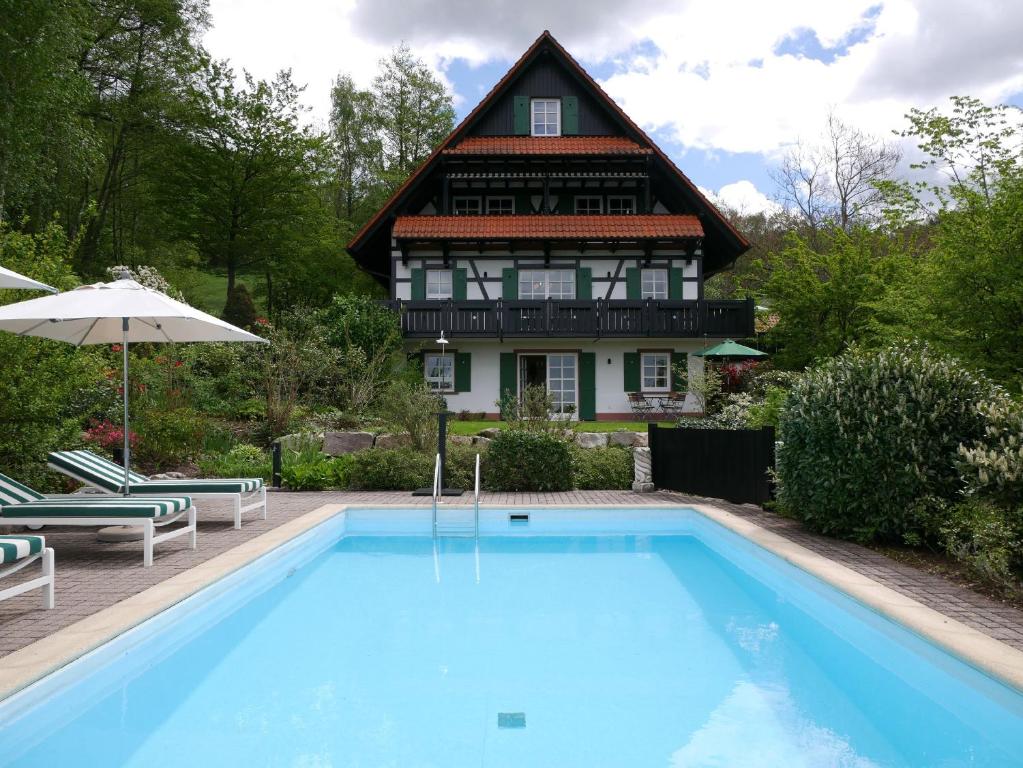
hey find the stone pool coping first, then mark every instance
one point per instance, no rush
(27, 665)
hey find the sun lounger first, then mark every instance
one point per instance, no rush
(87, 467)
(17, 552)
(20, 505)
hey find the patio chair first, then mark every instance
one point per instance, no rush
(17, 552)
(640, 405)
(85, 466)
(20, 505)
(673, 404)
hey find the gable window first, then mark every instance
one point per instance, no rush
(547, 284)
(438, 283)
(621, 204)
(465, 206)
(439, 372)
(654, 284)
(656, 371)
(589, 204)
(500, 206)
(546, 117)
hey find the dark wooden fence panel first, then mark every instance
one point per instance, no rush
(730, 464)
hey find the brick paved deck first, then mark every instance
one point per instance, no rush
(92, 576)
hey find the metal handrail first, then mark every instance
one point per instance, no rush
(476, 500)
(436, 492)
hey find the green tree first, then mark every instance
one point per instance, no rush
(355, 149)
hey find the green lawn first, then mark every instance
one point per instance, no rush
(207, 289)
(456, 427)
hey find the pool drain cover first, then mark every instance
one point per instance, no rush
(511, 719)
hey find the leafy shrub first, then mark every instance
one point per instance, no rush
(460, 465)
(410, 407)
(240, 309)
(240, 461)
(518, 460)
(767, 412)
(993, 465)
(167, 439)
(602, 468)
(386, 469)
(866, 435)
(987, 539)
(532, 410)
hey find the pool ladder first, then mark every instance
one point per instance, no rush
(455, 526)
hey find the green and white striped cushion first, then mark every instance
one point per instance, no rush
(13, 492)
(110, 477)
(14, 548)
(98, 506)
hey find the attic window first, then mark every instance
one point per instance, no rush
(546, 117)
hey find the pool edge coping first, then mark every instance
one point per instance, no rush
(27, 665)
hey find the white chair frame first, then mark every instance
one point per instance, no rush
(45, 581)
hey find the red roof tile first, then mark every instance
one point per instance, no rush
(540, 227)
(548, 145)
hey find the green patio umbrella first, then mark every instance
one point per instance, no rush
(729, 348)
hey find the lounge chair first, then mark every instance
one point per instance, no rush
(16, 552)
(20, 505)
(101, 473)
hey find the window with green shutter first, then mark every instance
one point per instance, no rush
(459, 279)
(632, 372)
(509, 283)
(676, 284)
(418, 284)
(584, 283)
(521, 121)
(633, 290)
(508, 381)
(569, 115)
(463, 371)
(587, 386)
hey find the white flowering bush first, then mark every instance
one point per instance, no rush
(866, 436)
(150, 277)
(993, 465)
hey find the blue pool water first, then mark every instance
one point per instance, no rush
(689, 648)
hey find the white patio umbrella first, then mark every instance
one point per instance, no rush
(11, 279)
(122, 311)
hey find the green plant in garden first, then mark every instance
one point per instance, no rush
(987, 538)
(239, 461)
(608, 468)
(168, 439)
(532, 410)
(385, 469)
(992, 466)
(410, 408)
(520, 460)
(866, 435)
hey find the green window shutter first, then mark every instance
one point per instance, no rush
(584, 283)
(569, 116)
(509, 283)
(418, 285)
(675, 283)
(458, 284)
(508, 379)
(463, 371)
(633, 291)
(632, 372)
(521, 115)
(587, 386)
(681, 360)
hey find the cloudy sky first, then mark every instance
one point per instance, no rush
(723, 85)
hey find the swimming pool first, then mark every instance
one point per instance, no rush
(582, 638)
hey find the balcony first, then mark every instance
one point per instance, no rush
(599, 318)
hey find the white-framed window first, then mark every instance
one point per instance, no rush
(621, 204)
(439, 371)
(547, 284)
(656, 371)
(438, 283)
(500, 206)
(466, 206)
(654, 284)
(561, 382)
(545, 117)
(589, 204)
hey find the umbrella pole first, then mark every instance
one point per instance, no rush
(127, 432)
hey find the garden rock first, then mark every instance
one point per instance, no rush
(168, 476)
(388, 440)
(627, 439)
(591, 439)
(490, 432)
(643, 480)
(460, 440)
(339, 443)
(481, 441)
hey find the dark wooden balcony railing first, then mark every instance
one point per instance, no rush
(598, 318)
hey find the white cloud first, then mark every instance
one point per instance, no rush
(744, 197)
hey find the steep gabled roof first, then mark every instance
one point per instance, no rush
(547, 227)
(545, 40)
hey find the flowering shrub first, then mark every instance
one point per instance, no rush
(993, 465)
(867, 435)
(108, 435)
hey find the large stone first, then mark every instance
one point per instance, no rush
(339, 443)
(389, 440)
(490, 432)
(168, 476)
(591, 439)
(460, 439)
(481, 441)
(626, 438)
(642, 480)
